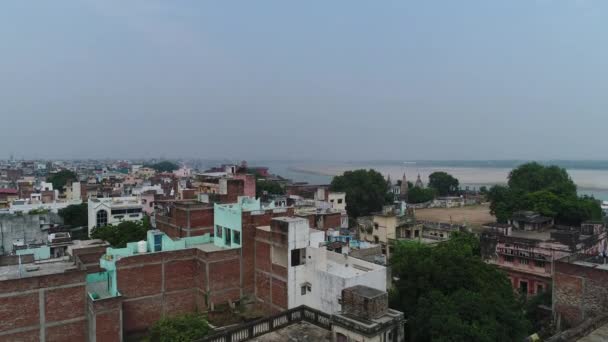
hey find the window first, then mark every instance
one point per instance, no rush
(305, 288)
(523, 286)
(236, 237)
(227, 237)
(508, 258)
(102, 218)
(339, 201)
(332, 201)
(298, 257)
(416, 233)
(218, 231)
(376, 240)
(539, 263)
(523, 261)
(376, 226)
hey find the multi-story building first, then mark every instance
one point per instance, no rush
(527, 254)
(391, 224)
(113, 210)
(262, 253)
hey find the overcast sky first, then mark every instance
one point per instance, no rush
(304, 79)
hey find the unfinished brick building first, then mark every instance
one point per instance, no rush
(580, 289)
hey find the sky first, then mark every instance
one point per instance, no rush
(314, 80)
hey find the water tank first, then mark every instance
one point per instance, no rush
(142, 247)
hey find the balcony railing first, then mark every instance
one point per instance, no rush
(266, 325)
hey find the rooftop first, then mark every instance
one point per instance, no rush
(299, 332)
(348, 267)
(38, 268)
(591, 261)
(366, 291)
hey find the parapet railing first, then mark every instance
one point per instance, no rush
(266, 325)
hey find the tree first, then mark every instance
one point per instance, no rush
(164, 166)
(270, 187)
(444, 183)
(548, 190)
(366, 191)
(483, 190)
(119, 235)
(61, 178)
(181, 328)
(75, 215)
(420, 195)
(449, 294)
(532, 177)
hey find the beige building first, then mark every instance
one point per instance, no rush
(389, 225)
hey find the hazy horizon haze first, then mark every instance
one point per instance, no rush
(340, 80)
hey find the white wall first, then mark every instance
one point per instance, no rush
(337, 197)
(53, 207)
(107, 204)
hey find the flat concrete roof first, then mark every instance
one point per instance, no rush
(211, 247)
(39, 268)
(300, 332)
(366, 291)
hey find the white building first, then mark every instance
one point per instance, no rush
(25, 206)
(46, 186)
(114, 210)
(337, 200)
(315, 276)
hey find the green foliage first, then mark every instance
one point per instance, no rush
(366, 191)
(75, 215)
(544, 189)
(61, 178)
(164, 166)
(119, 235)
(39, 211)
(444, 183)
(483, 190)
(534, 313)
(182, 328)
(270, 187)
(533, 177)
(420, 195)
(449, 294)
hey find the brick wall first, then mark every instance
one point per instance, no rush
(333, 220)
(235, 188)
(50, 307)
(580, 292)
(175, 282)
(270, 278)
(359, 305)
(186, 221)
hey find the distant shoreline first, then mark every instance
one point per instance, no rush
(589, 181)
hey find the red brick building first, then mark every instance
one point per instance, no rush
(184, 218)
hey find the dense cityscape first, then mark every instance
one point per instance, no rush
(113, 250)
(312, 171)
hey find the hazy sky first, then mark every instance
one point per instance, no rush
(348, 79)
